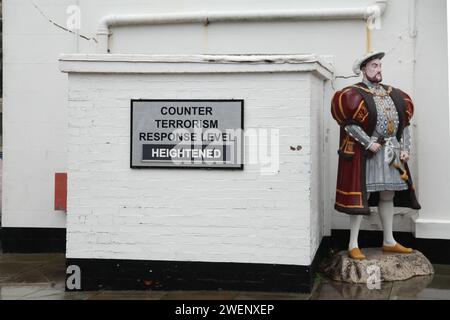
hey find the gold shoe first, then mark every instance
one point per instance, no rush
(397, 248)
(356, 254)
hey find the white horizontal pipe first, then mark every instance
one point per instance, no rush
(229, 16)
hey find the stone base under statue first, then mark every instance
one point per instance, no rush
(389, 266)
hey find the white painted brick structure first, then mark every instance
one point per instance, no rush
(115, 212)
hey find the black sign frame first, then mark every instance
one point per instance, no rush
(241, 167)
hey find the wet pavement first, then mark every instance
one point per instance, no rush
(42, 277)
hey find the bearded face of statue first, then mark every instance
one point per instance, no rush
(372, 71)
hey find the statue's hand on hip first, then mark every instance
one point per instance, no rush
(404, 156)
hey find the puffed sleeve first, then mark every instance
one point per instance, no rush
(409, 107)
(348, 107)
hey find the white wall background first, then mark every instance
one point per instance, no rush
(433, 139)
(34, 114)
(35, 106)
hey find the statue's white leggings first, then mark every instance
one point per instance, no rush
(386, 211)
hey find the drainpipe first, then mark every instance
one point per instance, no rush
(357, 13)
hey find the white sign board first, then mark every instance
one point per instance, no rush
(187, 133)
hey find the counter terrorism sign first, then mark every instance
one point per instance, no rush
(187, 133)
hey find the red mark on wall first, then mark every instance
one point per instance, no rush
(61, 191)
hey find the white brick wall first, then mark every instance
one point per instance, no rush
(317, 199)
(116, 212)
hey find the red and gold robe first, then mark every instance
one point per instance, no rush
(355, 105)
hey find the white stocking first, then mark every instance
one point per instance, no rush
(386, 211)
(355, 223)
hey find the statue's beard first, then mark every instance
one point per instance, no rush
(377, 78)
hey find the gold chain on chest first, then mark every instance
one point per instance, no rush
(390, 126)
(381, 93)
(388, 112)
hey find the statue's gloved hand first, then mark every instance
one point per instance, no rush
(404, 156)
